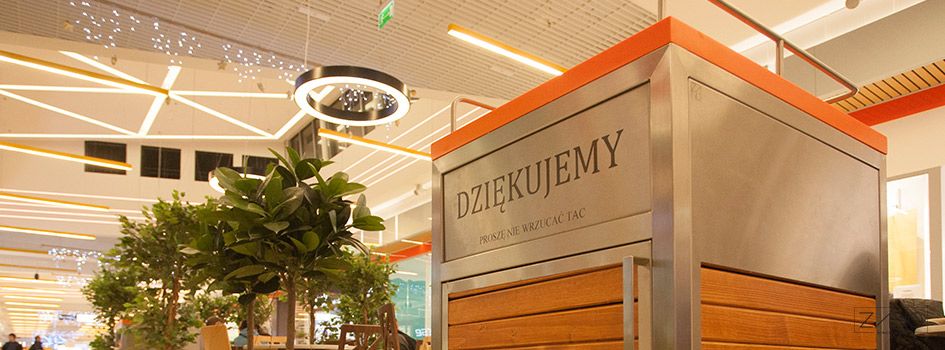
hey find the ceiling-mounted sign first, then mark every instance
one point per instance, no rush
(387, 12)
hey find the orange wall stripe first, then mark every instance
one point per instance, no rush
(669, 30)
(904, 106)
(411, 252)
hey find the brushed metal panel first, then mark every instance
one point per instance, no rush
(539, 186)
(613, 233)
(770, 199)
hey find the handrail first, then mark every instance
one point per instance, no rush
(781, 43)
(457, 101)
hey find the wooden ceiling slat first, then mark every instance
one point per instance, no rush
(875, 90)
(905, 83)
(862, 99)
(916, 79)
(938, 75)
(871, 96)
(927, 77)
(895, 86)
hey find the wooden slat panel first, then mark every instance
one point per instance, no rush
(493, 288)
(728, 324)
(735, 346)
(589, 289)
(610, 345)
(603, 323)
(937, 73)
(738, 290)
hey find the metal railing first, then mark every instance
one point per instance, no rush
(780, 44)
(459, 100)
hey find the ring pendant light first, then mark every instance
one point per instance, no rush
(365, 97)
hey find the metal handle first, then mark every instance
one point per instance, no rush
(781, 43)
(629, 263)
(456, 102)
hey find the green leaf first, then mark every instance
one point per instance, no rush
(248, 186)
(280, 157)
(351, 188)
(311, 240)
(245, 271)
(267, 287)
(189, 251)
(245, 299)
(273, 190)
(235, 201)
(265, 277)
(293, 156)
(227, 178)
(299, 245)
(277, 226)
(250, 248)
(369, 223)
(333, 264)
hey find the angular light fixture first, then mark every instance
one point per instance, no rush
(501, 48)
(53, 202)
(33, 231)
(386, 147)
(366, 96)
(64, 156)
(81, 74)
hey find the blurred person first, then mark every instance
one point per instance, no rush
(37, 344)
(12, 344)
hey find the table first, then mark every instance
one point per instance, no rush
(931, 331)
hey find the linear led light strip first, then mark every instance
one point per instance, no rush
(45, 218)
(47, 193)
(501, 48)
(20, 303)
(44, 212)
(27, 297)
(54, 202)
(64, 112)
(386, 147)
(81, 74)
(138, 137)
(430, 117)
(433, 134)
(26, 280)
(36, 268)
(53, 88)
(301, 114)
(172, 73)
(64, 156)
(34, 290)
(34, 231)
(48, 206)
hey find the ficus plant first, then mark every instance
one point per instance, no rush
(150, 249)
(110, 292)
(292, 224)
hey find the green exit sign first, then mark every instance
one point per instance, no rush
(385, 15)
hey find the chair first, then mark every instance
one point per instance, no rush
(215, 337)
(386, 332)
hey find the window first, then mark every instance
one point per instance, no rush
(257, 165)
(106, 150)
(160, 162)
(208, 161)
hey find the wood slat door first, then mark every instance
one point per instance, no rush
(743, 312)
(574, 311)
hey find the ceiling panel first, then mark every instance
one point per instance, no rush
(413, 46)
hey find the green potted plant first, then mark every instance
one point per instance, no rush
(289, 229)
(110, 292)
(150, 250)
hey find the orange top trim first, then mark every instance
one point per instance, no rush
(669, 30)
(901, 107)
